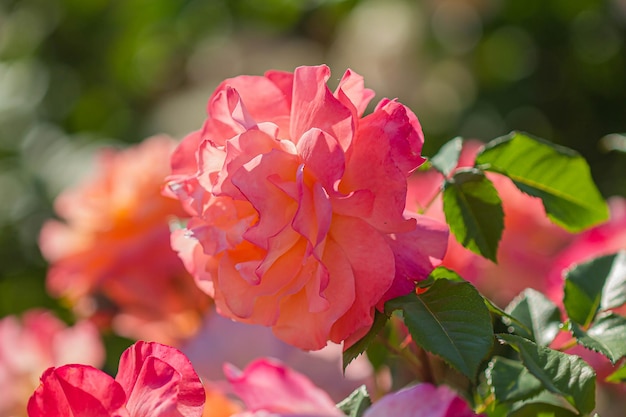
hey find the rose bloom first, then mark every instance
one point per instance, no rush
(110, 255)
(529, 245)
(152, 380)
(297, 205)
(36, 342)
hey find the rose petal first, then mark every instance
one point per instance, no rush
(77, 391)
(151, 373)
(268, 385)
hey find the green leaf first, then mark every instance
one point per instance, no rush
(593, 286)
(474, 212)
(540, 409)
(557, 175)
(618, 376)
(541, 317)
(511, 381)
(566, 375)
(447, 157)
(441, 272)
(607, 336)
(357, 348)
(356, 403)
(449, 320)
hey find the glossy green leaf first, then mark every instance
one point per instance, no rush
(441, 272)
(474, 212)
(607, 336)
(447, 157)
(450, 320)
(359, 347)
(560, 373)
(541, 317)
(557, 175)
(539, 409)
(593, 286)
(510, 381)
(356, 403)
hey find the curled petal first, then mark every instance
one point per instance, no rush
(77, 391)
(416, 253)
(160, 381)
(314, 106)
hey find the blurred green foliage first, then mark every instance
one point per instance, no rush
(75, 74)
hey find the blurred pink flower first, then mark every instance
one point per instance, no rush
(111, 254)
(529, 244)
(222, 340)
(269, 388)
(297, 205)
(29, 347)
(153, 380)
(422, 400)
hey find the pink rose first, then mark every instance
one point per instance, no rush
(153, 380)
(111, 254)
(268, 386)
(29, 347)
(529, 243)
(422, 400)
(297, 205)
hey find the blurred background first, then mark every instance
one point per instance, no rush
(76, 75)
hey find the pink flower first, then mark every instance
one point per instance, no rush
(111, 256)
(297, 205)
(153, 380)
(223, 340)
(529, 243)
(268, 386)
(422, 400)
(37, 343)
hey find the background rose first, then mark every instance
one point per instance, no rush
(37, 341)
(268, 387)
(604, 239)
(110, 255)
(297, 204)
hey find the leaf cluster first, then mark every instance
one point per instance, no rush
(507, 356)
